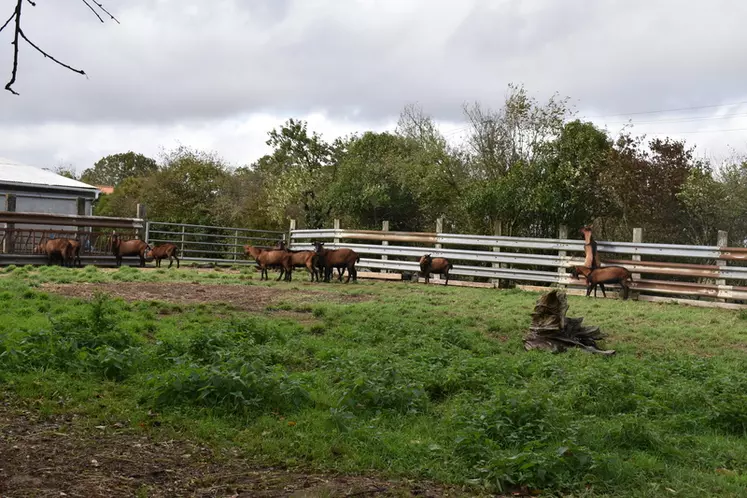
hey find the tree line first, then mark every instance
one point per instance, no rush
(527, 167)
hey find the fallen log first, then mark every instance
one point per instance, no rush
(552, 331)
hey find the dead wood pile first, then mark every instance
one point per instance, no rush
(552, 331)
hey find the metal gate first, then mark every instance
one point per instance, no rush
(211, 244)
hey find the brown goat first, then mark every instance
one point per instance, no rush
(159, 252)
(134, 247)
(75, 252)
(429, 265)
(585, 271)
(604, 275)
(303, 259)
(271, 258)
(55, 248)
(341, 259)
(590, 249)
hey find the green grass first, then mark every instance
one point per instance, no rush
(418, 382)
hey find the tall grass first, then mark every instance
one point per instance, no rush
(426, 383)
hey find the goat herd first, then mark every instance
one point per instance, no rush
(324, 260)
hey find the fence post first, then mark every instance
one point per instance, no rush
(141, 214)
(235, 244)
(291, 228)
(562, 234)
(439, 230)
(637, 239)
(181, 251)
(723, 241)
(497, 231)
(9, 239)
(384, 257)
(336, 240)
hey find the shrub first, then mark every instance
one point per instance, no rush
(237, 387)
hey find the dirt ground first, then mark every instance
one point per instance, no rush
(45, 457)
(243, 297)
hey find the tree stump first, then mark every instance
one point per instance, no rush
(552, 331)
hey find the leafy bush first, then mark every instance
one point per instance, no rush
(382, 387)
(239, 388)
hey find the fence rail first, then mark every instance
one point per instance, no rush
(547, 261)
(211, 244)
(717, 272)
(93, 232)
(197, 243)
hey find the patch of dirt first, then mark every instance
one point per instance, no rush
(252, 298)
(46, 457)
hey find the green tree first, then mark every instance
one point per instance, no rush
(643, 181)
(113, 169)
(716, 202)
(371, 183)
(437, 172)
(570, 177)
(515, 133)
(296, 174)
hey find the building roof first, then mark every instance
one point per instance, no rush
(105, 189)
(15, 173)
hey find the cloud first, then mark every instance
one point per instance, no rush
(190, 69)
(239, 141)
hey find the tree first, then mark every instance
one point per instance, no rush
(371, 184)
(644, 182)
(716, 202)
(113, 169)
(508, 168)
(66, 171)
(575, 193)
(18, 34)
(297, 173)
(186, 188)
(438, 174)
(515, 133)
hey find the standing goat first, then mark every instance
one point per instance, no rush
(590, 248)
(134, 247)
(429, 265)
(341, 259)
(167, 250)
(54, 249)
(604, 275)
(271, 258)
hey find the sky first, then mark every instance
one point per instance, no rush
(219, 74)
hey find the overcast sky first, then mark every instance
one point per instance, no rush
(219, 74)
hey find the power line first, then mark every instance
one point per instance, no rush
(695, 132)
(665, 110)
(680, 120)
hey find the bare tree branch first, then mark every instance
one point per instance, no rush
(106, 11)
(17, 15)
(18, 33)
(93, 10)
(8, 21)
(23, 35)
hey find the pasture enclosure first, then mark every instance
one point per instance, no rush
(707, 275)
(716, 273)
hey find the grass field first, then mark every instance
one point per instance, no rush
(392, 380)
